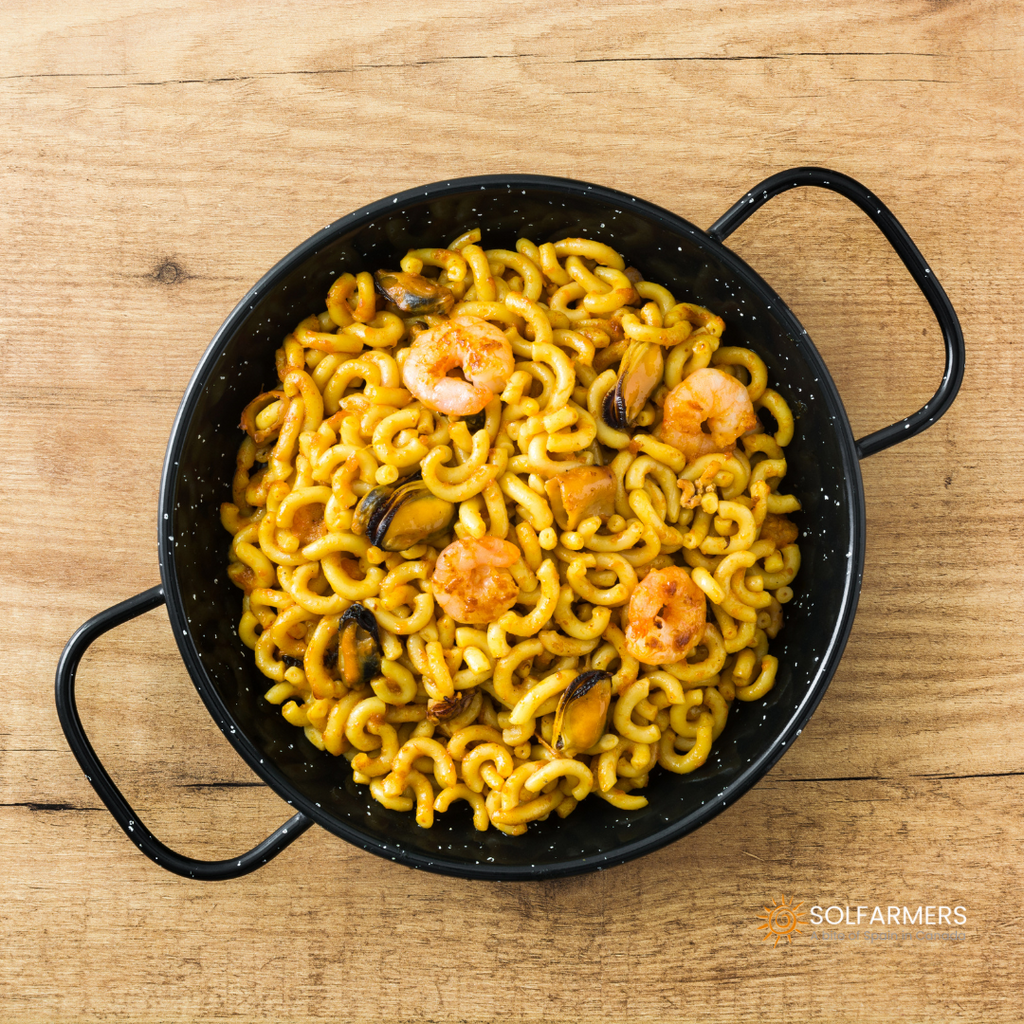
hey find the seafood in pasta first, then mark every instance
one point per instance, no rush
(509, 530)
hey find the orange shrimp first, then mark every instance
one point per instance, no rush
(476, 346)
(471, 581)
(711, 397)
(667, 613)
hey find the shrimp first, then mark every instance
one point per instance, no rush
(712, 397)
(479, 348)
(667, 613)
(471, 581)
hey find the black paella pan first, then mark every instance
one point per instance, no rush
(203, 606)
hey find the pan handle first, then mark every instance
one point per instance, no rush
(891, 228)
(96, 774)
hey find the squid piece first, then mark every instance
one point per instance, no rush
(581, 492)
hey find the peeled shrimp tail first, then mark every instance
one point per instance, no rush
(707, 397)
(472, 582)
(475, 346)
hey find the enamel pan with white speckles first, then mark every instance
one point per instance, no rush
(203, 606)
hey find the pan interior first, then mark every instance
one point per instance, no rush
(204, 605)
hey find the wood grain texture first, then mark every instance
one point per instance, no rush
(154, 163)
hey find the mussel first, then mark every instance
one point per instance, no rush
(396, 518)
(413, 293)
(582, 712)
(581, 492)
(640, 372)
(359, 650)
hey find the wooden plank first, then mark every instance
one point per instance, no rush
(326, 928)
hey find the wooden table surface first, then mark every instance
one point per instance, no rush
(156, 162)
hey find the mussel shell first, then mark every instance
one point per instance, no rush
(640, 372)
(396, 518)
(614, 409)
(363, 617)
(582, 712)
(372, 508)
(359, 649)
(413, 293)
(475, 422)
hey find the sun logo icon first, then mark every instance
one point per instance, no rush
(781, 920)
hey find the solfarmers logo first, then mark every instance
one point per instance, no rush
(782, 920)
(863, 922)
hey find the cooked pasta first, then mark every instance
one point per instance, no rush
(509, 530)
